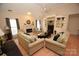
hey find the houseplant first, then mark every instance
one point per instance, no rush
(1, 40)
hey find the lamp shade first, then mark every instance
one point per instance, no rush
(1, 33)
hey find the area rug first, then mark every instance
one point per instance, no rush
(11, 49)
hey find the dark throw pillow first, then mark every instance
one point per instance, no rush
(56, 37)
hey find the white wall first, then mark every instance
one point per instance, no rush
(74, 24)
(63, 29)
(3, 16)
(45, 21)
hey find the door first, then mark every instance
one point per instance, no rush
(73, 25)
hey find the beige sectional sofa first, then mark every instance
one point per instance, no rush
(30, 47)
(33, 46)
(57, 46)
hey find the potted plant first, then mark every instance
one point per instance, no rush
(1, 40)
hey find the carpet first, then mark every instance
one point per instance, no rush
(11, 49)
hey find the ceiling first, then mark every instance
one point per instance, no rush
(37, 8)
(24, 7)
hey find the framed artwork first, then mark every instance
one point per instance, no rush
(28, 21)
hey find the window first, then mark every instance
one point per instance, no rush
(13, 25)
(38, 25)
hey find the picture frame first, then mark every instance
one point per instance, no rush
(28, 21)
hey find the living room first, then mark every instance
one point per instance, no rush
(39, 29)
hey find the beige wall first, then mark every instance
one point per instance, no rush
(22, 21)
(21, 10)
(74, 24)
(3, 16)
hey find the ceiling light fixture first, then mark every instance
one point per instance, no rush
(10, 10)
(44, 9)
(29, 13)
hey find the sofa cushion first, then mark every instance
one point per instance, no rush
(28, 38)
(31, 38)
(55, 43)
(61, 39)
(22, 35)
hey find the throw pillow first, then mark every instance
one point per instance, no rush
(28, 38)
(56, 37)
(31, 38)
(61, 38)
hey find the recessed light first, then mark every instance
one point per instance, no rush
(29, 13)
(44, 9)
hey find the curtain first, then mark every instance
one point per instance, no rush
(8, 22)
(9, 35)
(17, 21)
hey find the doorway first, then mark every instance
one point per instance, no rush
(50, 26)
(73, 24)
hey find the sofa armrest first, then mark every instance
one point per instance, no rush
(33, 47)
(56, 43)
(55, 46)
(35, 43)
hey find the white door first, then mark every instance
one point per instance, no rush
(13, 25)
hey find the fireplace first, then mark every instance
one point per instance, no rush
(28, 30)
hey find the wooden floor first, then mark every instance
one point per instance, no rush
(72, 48)
(45, 52)
(24, 53)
